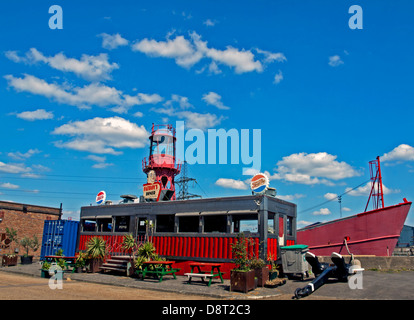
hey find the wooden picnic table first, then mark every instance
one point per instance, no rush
(213, 271)
(158, 268)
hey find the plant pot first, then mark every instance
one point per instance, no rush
(242, 281)
(130, 268)
(273, 275)
(9, 261)
(94, 265)
(262, 275)
(78, 269)
(44, 274)
(26, 259)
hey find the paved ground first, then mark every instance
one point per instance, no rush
(24, 282)
(22, 287)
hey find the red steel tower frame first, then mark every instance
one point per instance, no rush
(162, 157)
(376, 193)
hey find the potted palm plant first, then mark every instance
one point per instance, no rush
(145, 252)
(28, 244)
(242, 276)
(128, 245)
(80, 261)
(97, 251)
(44, 271)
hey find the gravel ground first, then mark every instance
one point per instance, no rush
(24, 282)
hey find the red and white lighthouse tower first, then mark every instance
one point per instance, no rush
(162, 160)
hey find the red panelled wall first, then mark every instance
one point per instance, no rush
(191, 248)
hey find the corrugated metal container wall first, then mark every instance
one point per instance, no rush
(59, 234)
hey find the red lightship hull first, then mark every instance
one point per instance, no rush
(373, 232)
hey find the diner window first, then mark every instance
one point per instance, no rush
(289, 226)
(165, 223)
(188, 224)
(104, 224)
(88, 225)
(215, 223)
(271, 223)
(245, 223)
(122, 224)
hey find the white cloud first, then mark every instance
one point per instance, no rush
(82, 97)
(21, 156)
(278, 77)
(366, 189)
(335, 61)
(179, 48)
(187, 52)
(13, 56)
(112, 41)
(8, 185)
(241, 60)
(182, 102)
(178, 106)
(39, 114)
(102, 135)
(213, 68)
(96, 158)
(94, 68)
(40, 168)
(270, 57)
(13, 168)
(403, 152)
(291, 197)
(322, 211)
(138, 114)
(214, 99)
(102, 165)
(209, 23)
(313, 168)
(202, 121)
(231, 184)
(100, 162)
(330, 196)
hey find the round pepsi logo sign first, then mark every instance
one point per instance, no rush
(101, 197)
(259, 183)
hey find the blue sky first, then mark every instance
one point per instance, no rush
(77, 103)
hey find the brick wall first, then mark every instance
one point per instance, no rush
(27, 220)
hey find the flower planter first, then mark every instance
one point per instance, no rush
(26, 259)
(262, 275)
(273, 275)
(78, 269)
(94, 265)
(49, 273)
(242, 281)
(44, 274)
(9, 261)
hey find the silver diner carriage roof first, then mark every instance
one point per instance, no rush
(227, 205)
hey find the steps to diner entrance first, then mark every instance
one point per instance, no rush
(122, 264)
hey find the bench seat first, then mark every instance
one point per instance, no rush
(203, 276)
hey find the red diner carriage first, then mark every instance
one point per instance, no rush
(185, 231)
(200, 230)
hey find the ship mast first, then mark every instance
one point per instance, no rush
(376, 193)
